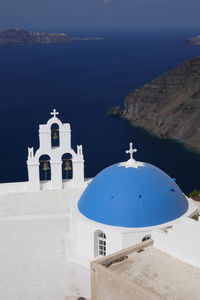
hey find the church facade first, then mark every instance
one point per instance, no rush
(120, 207)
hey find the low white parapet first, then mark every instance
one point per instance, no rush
(14, 187)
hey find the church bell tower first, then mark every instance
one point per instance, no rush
(55, 164)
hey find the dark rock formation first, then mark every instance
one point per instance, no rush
(17, 37)
(169, 106)
(115, 111)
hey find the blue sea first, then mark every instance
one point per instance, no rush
(82, 80)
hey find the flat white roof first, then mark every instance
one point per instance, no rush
(33, 244)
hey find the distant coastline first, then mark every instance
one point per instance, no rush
(194, 40)
(18, 37)
(87, 38)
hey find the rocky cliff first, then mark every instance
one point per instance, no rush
(169, 106)
(18, 37)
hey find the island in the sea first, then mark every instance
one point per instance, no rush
(18, 37)
(168, 106)
(194, 40)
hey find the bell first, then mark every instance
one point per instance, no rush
(67, 166)
(55, 136)
(45, 166)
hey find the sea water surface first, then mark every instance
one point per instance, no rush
(82, 80)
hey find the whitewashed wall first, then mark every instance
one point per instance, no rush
(85, 239)
(134, 237)
(182, 241)
(117, 238)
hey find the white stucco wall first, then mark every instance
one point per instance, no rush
(85, 238)
(117, 238)
(181, 241)
(130, 238)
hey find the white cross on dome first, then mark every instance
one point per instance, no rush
(131, 150)
(131, 163)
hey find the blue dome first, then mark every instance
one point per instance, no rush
(132, 197)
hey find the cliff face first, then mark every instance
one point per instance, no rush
(169, 106)
(17, 37)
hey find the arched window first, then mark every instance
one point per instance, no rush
(45, 168)
(55, 135)
(146, 237)
(99, 243)
(67, 169)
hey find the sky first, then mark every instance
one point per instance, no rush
(99, 14)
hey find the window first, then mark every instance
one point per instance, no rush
(101, 244)
(55, 135)
(147, 237)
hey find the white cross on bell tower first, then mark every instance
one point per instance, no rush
(131, 151)
(54, 113)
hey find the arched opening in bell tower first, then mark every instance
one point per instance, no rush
(45, 167)
(67, 167)
(55, 135)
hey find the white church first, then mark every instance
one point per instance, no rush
(57, 222)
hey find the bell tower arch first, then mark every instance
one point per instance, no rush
(55, 153)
